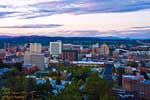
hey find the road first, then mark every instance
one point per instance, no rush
(0, 83)
(108, 72)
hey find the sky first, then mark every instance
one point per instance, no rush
(68, 18)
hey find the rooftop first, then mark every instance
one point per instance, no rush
(3, 70)
(132, 77)
(87, 62)
(146, 82)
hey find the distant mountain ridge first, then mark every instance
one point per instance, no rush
(111, 37)
(36, 36)
(44, 40)
(5, 37)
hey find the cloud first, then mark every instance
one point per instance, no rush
(131, 33)
(81, 33)
(33, 26)
(137, 34)
(89, 6)
(140, 32)
(141, 27)
(3, 6)
(50, 7)
(78, 17)
(5, 14)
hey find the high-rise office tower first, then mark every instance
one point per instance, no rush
(34, 56)
(35, 47)
(104, 50)
(36, 59)
(95, 50)
(55, 48)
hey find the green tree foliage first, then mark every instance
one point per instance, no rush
(4, 93)
(113, 70)
(142, 64)
(3, 65)
(15, 82)
(30, 85)
(84, 84)
(52, 74)
(71, 92)
(96, 87)
(120, 72)
(44, 90)
(107, 97)
(58, 80)
(133, 64)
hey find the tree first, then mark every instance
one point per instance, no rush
(4, 93)
(15, 82)
(70, 92)
(133, 64)
(106, 97)
(120, 72)
(44, 90)
(142, 64)
(96, 87)
(18, 66)
(47, 87)
(52, 74)
(113, 70)
(30, 85)
(1, 64)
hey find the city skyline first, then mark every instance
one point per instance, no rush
(86, 18)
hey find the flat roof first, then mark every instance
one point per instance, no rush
(86, 62)
(132, 77)
(3, 70)
(146, 82)
(129, 76)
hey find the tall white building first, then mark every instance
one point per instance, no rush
(55, 48)
(34, 56)
(35, 47)
(36, 59)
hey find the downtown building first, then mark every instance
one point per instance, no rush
(69, 55)
(95, 50)
(136, 84)
(104, 50)
(35, 47)
(67, 46)
(55, 48)
(34, 57)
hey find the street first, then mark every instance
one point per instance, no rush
(108, 71)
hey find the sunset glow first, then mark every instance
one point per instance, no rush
(128, 18)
